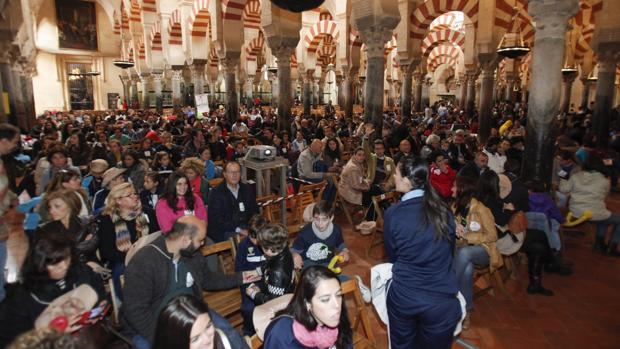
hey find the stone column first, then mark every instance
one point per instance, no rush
(177, 77)
(135, 104)
(585, 92)
(156, 78)
(375, 39)
(463, 91)
(550, 22)
(568, 80)
(426, 92)
(348, 90)
(470, 100)
(608, 55)
(486, 101)
(510, 84)
(198, 77)
(307, 79)
(285, 98)
(144, 81)
(321, 92)
(405, 93)
(417, 101)
(232, 106)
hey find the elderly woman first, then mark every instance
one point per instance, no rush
(352, 179)
(193, 169)
(122, 223)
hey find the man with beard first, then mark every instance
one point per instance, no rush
(166, 268)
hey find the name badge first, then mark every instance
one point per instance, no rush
(562, 173)
(474, 226)
(437, 171)
(147, 153)
(388, 168)
(284, 150)
(241, 207)
(189, 212)
(189, 281)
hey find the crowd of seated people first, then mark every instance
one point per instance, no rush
(98, 183)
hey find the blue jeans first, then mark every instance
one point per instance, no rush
(601, 228)
(551, 227)
(463, 266)
(140, 342)
(3, 256)
(118, 269)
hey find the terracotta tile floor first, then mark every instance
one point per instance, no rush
(584, 313)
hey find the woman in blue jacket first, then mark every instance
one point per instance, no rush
(419, 234)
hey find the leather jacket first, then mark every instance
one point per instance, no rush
(278, 273)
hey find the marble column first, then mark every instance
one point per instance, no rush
(348, 90)
(417, 101)
(232, 106)
(585, 92)
(285, 98)
(156, 78)
(608, 55)
(509, 92)
(198, 77)
(470, 100)
(307, 79)
(144, 82)
(485, 109)
(373, 100)
(463, 91)
(405, 94)
(550, 22)
(321, 92)
(568, 80)
(426, 93)
(177, 77)
(135, 104)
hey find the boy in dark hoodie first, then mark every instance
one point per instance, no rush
(540, 201)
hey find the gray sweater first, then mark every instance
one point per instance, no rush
(305, 165)
(147, 279)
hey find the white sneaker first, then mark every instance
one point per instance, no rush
(364, 290)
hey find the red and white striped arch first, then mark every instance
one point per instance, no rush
(124, 19)
(327, 52)
(452, 53)
(254, 47)
(135, 12)
(251, 15)
(174, 29)
(425, 13)
(447, 20)
(325, 16)
(233, 9)
(439, 60)
(318, 31)
(214, 60)
(294, 60)
(390, 45)
(524, 67)
(438, 37)
(200, 18)
(584, 20)
(354, 38)
(141, 51)
(156, 37)
(149, 6)
(117, 23)
(504, 11)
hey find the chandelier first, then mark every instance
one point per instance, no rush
(512, 45)
(298, 5)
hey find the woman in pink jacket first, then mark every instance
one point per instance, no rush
(178, 200)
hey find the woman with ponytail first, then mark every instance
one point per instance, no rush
(422, 303)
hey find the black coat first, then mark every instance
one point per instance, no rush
(278, 272)
(22, 306)
(224, 211)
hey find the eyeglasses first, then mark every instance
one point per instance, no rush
(128, 195)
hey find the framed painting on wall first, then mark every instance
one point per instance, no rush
(77, 24)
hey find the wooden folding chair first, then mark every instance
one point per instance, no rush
(488, 282)
(227, 303)
(361, 339)
(342, 203)
(215, 182)
(270, 211)
(377, 201)
(315, 189)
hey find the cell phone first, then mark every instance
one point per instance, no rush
(97, 312)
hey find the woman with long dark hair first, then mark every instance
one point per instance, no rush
(316, 317)
(422, 303)
(178, 200)
(185, 323)
(475, 226)
(79, 150)
(49, 271)
(135, 168)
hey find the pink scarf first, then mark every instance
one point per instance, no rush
(323, 337)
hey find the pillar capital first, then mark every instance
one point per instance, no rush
(375, 39)
(229, 63)
(608, 55)
(551, 17)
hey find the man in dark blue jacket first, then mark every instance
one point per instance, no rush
(231, 204)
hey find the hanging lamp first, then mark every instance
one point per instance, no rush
(123, 64)
(298, 5)
(569, 69)
(512, 45)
